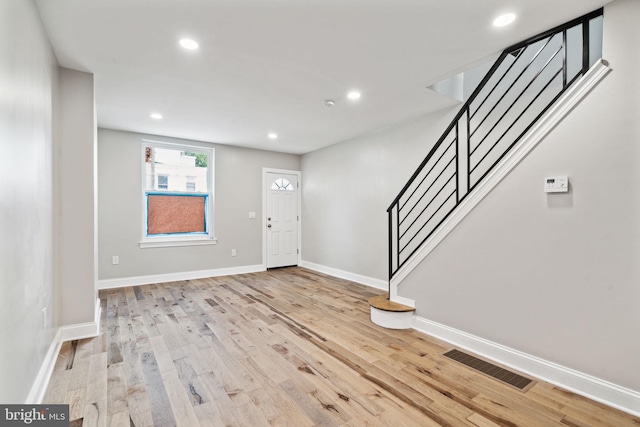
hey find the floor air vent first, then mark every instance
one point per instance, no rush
(508, 377)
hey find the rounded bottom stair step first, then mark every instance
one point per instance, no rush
(389, 314)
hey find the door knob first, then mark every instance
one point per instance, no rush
(269, 226)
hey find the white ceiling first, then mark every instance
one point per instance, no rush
(267, 65)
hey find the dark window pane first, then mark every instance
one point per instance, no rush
(163, 182)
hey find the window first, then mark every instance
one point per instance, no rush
(191, 183)
(163, 182)
(282, 184)
(177, 195)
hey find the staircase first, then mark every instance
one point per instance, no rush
(528, 90)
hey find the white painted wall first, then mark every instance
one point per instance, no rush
(28, 83)
(557, 276)
(348, 187)
(75, 168)
(238, 191)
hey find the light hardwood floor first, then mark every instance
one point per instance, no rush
(287, 347)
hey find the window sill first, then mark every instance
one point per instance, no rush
(168, 243)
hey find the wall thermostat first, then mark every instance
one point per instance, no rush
(556, 184)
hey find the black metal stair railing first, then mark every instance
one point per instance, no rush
(524, 82)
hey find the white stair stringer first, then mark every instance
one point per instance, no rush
(547, 122)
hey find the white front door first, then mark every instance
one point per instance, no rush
(282, 219)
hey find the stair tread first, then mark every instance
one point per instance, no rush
(382, 302)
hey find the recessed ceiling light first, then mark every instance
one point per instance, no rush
(504, 20)
(329, 102)
(189, 44)
(272, 135)
(156, 116)
(353, 95)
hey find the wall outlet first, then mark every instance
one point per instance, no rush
(233, 252)
(115, 260)
(252, 215)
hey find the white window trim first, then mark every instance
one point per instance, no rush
(168, 242)
(180, 240)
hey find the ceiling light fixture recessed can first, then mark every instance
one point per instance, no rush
(156, 116)
(504, 20)
(353, 95)
(272, 135)
(189, 44)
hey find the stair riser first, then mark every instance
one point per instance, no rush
(391, 319)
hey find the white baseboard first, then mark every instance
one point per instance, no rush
(173, 277)
(585, 385)
(39, 386)
(358, 278)
(64, 333)
(82, 330)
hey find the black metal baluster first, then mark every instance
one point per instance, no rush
(564, 58)
(398, 235)
(467, 171)
(457, 172)
(390, 221)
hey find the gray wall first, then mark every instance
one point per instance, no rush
(238, 191)
(28, 76)
(557, 276)
(75, 166)
(348, 187)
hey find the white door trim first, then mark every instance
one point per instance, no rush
(265, 171)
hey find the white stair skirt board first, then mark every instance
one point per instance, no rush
(577, 382)
(392, 319)
(547, 122)
(393, 296)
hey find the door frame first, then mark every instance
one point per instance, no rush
(265, 171)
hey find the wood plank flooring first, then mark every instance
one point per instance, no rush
(287, 347)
